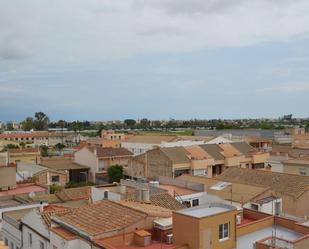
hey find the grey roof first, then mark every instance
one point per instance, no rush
(244, 148)
(30, 168)
(176, 154)
(213, 150)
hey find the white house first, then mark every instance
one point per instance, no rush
(35, 232)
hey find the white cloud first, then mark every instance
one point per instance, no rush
(76, 31)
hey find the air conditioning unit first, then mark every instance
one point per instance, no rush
(169, 239)
(238, 219)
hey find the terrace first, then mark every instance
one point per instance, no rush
(263, 230)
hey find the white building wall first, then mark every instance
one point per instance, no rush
(36, 239)
(12, 235)
(138, 148)
(60, 243)
(34, 225)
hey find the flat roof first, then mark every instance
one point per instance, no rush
(207, 210)
(251, 238)
(23, 189)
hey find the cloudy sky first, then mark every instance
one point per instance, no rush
(115, 59)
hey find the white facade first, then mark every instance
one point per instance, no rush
(60, 243)
(11, 236)
(35, 233)
(138, 148)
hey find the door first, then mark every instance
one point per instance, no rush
(206, 235)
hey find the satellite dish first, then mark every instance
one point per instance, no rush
(31, 195)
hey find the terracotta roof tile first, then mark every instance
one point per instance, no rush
(109, 151)
(165, 200)
(101, 217)
(288, 184)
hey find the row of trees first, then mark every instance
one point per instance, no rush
(40, 121)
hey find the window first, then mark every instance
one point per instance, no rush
(303, 171)
(195, 202)
(30, 239)
(41, 245)
(224, 231)
(55, 178)
(255, 206)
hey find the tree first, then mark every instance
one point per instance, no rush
(130, 122)
(27, 124)
(115, 173)
(22, 145)
(44, 150)
(12, 146)
(54, 188)
(145, 123)
(59, 146)
(41, 121)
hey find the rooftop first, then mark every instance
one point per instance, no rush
(176, 154)
(289, 184)
(22, 189)
(17, 215)
(151, 210)
(151, 139)
(197, 153)
(206, 210)
(251, 238)
(61, 163)
(172, 190)
(25, 150)
(241, 192)
(165, 200)
(29, 167)
(101, 217)
(109, 152)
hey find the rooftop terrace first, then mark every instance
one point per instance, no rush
(206, 210)
(249, 239)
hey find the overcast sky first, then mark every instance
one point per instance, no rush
(116, 59)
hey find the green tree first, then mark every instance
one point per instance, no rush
(115, 173)
(130, 122)
(54, 188)
(44, 150)
(59, 146)
(27, 124)
(41, 121)
(12, 146)
(22, 145)
(145, 123)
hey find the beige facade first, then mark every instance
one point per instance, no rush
(296, 166)
(205, 160)
(30, 155)
(49, 177)
(204, 232)
(7, 177)
(300, 139)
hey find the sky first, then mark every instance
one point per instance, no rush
(159, 59)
